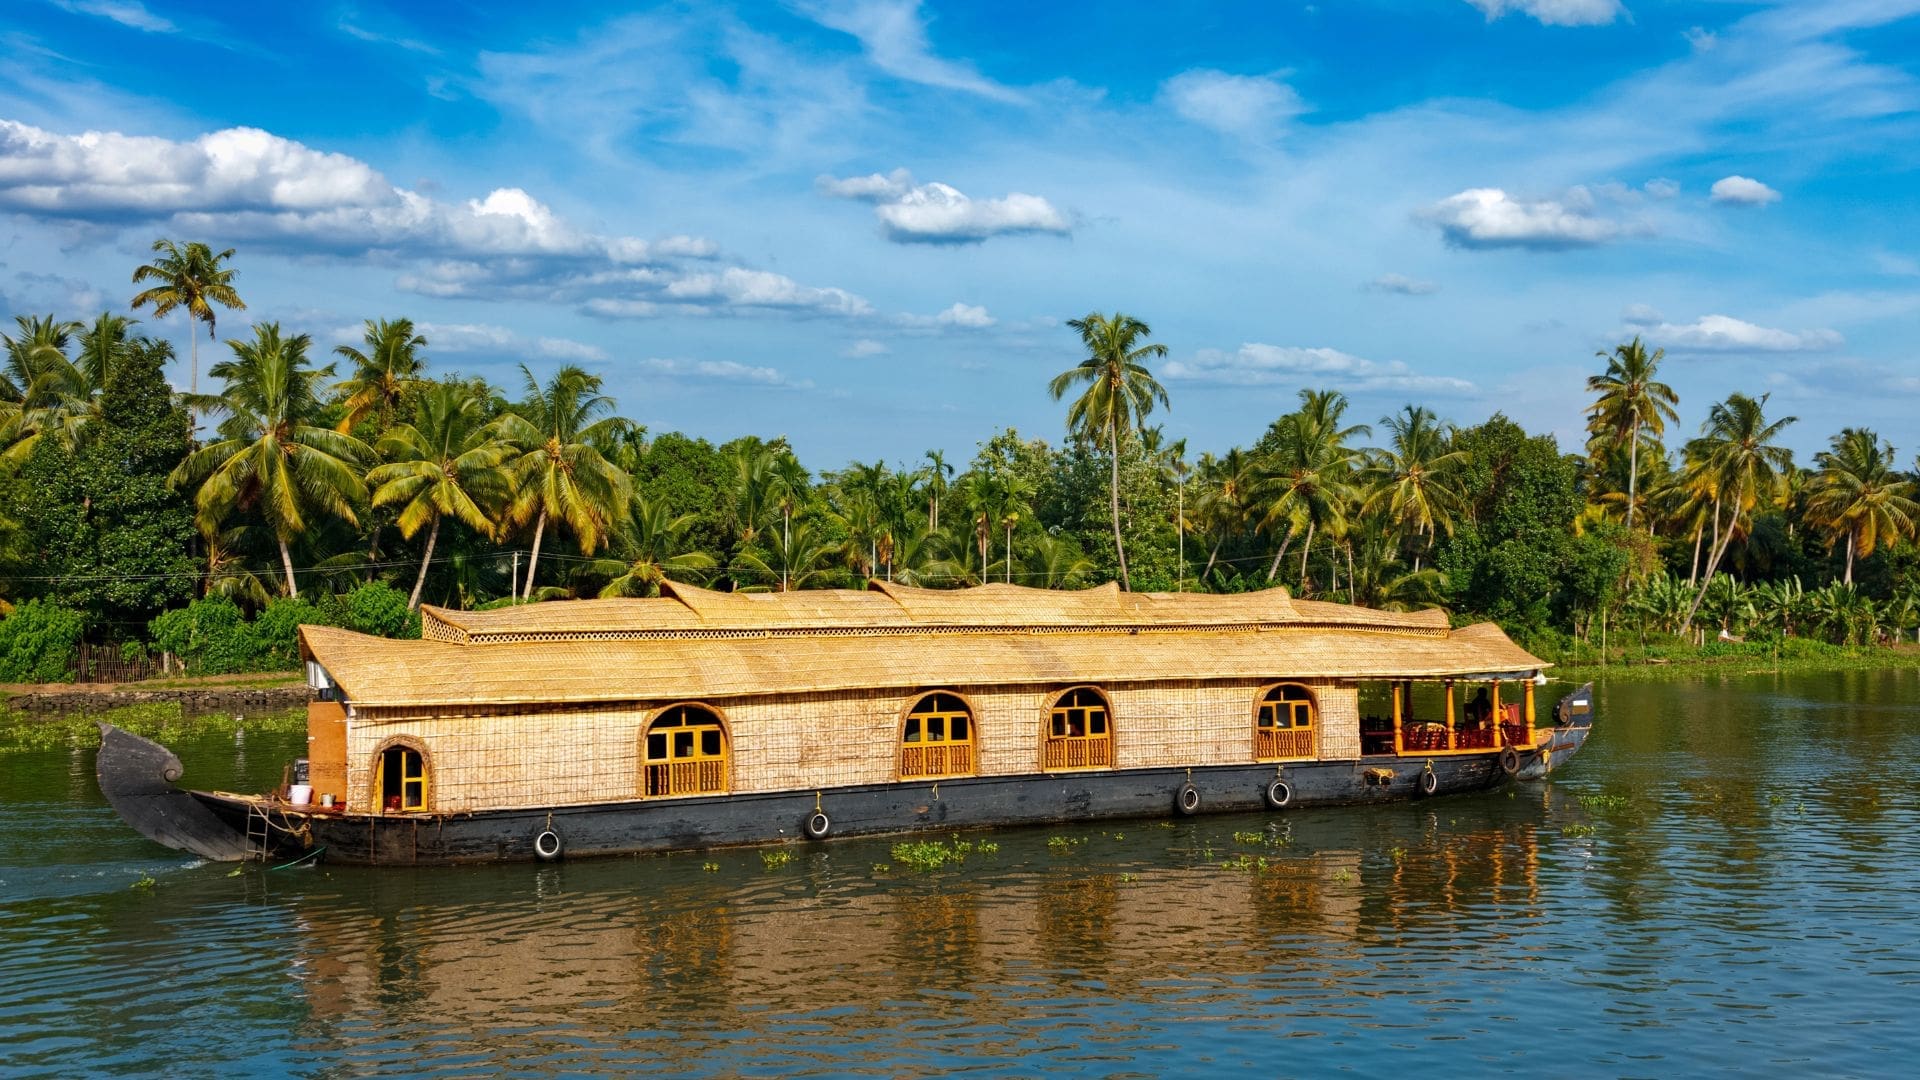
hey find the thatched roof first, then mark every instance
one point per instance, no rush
(689, 610)
(695, 643)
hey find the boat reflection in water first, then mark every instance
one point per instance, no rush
(827, 948)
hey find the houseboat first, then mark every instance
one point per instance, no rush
(701, 719)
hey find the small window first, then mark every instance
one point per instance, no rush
(400, 776)
(937, 738)
(1284, 722)
(1079, 731)
(686, 753)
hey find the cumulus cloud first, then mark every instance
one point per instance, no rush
(1256, 364)
(971, 316)
(1250, 106)
(1723, 333)
(894, 37)
(1402, 284)
(1554, 12)
(866, 347)
(1490, 218)
(649, 292)
(1743, 191)
(1661, 188)
(937, 213)
(719, 371)
(487, 338)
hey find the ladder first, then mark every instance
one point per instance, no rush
(259, 832)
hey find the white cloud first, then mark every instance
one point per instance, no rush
(937, 213)
(1642, 315)
(487, 338)
(1490, 218)
(1402, 284)
(895, 39)
(649, 292)
(1256, 364)
(719, 371)
(971, 316)
(1554, 12)
(1722, 333)
(128, 13)
(866, 347)
(1661, 187)
(245, 183)
(1250, 106)
(1743, 191)
(738, 287)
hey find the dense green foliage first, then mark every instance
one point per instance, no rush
(350, 499)
(36, 642)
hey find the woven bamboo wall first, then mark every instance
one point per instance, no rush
(496, 759)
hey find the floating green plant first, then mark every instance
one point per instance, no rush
(1061, 845)
(772, 860)
(710, 867)
(1577, 830)
(1605, 802)
(933, 854)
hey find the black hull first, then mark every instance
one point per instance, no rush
(951, 804)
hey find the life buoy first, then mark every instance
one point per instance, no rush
(1510, 761)
(1188, 801)
(548, 847)
(819, 825)
(1429, 783)
(1279, 794)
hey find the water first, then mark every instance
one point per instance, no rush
(1724, 881)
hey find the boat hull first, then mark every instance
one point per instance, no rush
(950, 804)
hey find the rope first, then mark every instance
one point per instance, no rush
(308, 857)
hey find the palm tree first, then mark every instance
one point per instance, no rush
(1305, 480)
(269, 454)
(447, 462)
(191, 278)
(1631, 405)
(752, 488)
(1413, 479)
(1225, 504)
(651, 545)
(1858, 496)
(796, 562)
(1010, 494)
(383, 373)
(58, 395)
(1053, 562)
(938, 474)
(560, 473)
(1737, 448)
(1120, 391)
(788, 480)
(41, 340)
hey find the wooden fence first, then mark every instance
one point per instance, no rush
(104, 664)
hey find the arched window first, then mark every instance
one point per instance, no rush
(937, 738)
(684, 752)
(1079, 731)
(1284, 722)
(400, 779)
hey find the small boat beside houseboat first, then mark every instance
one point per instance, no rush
(702, 719)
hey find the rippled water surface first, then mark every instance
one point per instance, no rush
(1725, 880)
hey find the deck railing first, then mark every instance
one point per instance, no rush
(1079, 752)
(1270, 744)
(705, 777)
(936, 759)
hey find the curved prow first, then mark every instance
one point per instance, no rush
(1576, 709)
(136, 775)
(1572, 723)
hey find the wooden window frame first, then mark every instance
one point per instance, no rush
(967, 750)
(1077, 753)
(704, 766)
(378, 789)
(1297, 742)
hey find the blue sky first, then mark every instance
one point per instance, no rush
(862, 223)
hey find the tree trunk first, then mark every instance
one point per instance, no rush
(413, 602)
(286, 562)
(373, 551)
(1633, 470)
(1305, 551)
(1849, 577)
(1274, 567)
(1180, 527)
(533, 563)
(786, 538)
(1119, 546)
(1713, 563)
(1009, 554)
(1211, 556)
(1699, 531)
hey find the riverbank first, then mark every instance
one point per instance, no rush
(226, 695)
(1736, 658)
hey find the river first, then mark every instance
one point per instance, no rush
(1726, 880)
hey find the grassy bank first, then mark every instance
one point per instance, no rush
(164, 721)
(1656, 660)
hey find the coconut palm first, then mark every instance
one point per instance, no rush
(1631, 406)
(448, 463)
(1737, 448)
(1412, 480)
(1053, 562)
(939, 474)
(60, 395)
(1224, 506)
(752, 488)
(382, 374)
(40, 340)
(652, 546)
(269, 454)
(796, 560)
(1305, 480)
(560, 474)
(190, 278)
(1859, 498)
(1119, 392)
(788, 482)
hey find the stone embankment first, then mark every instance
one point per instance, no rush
(193, 701)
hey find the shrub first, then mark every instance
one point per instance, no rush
(37, 642)
(277, 631)
(210, 636)
(379, 608)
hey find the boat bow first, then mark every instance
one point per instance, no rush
(137, 776)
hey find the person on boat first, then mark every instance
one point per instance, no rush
(1479, 711)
